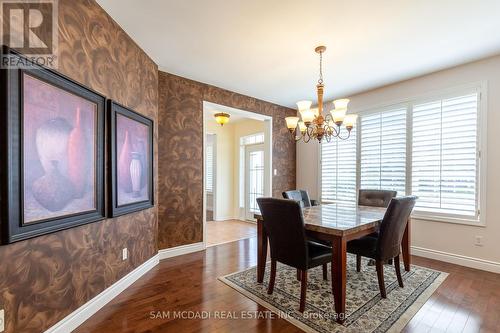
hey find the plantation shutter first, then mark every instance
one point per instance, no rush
(383, 151)
(445, 156)
(338, 169)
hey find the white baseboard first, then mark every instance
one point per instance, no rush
(80, 315)
(458, 259)
(180, 250)
(77, 317)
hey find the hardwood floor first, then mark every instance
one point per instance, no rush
(467, 301)
(221, 232)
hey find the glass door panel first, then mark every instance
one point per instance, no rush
(254, 178)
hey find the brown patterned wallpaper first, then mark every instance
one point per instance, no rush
(180, 105)
(44, 279)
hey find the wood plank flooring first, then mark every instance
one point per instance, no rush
(220, 232)
(468, 301)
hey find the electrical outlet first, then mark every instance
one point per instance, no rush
(275, 172)
(124, 254)
(479, 241)
(2, 320)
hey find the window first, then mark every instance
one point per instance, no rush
(252, 139)
(383, 150)
(338, 165)
(429, 148)
(445, 151)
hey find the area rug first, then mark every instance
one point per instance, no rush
(366, 311)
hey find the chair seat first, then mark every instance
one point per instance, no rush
(319, 254)
(364, 246)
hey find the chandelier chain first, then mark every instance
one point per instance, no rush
(320, 81)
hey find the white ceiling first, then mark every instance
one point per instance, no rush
(264, 48)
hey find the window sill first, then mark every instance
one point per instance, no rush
(447, 219)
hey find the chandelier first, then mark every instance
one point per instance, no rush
(313, 124)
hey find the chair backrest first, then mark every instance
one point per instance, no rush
(298, 195)
(284, 224)
(375, 198)
(393, 226)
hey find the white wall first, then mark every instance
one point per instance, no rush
(224, 169)
(432, 238)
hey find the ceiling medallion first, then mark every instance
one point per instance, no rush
(313, 124)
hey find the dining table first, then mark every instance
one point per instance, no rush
(336, 224)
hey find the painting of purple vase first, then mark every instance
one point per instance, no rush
(54, 154)
(59, 145)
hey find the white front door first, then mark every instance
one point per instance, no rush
(254, 179)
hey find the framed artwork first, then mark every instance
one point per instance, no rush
(131, 161)
(53, 153)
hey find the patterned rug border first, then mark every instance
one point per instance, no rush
(397, 326)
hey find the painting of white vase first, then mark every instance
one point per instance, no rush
(132, 151)
(136, 174)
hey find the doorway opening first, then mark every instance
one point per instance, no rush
(237, 171)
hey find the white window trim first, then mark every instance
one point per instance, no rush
(481, 88)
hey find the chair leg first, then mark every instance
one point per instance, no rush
(358, 263)
(398, 271)
(298, 274)
(303, 290)
(325, 272)
(272, 278)
(380, 275)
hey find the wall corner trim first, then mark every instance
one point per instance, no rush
(180, 250)
(80, 315)
(458, 259)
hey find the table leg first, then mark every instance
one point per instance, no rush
(405, 245)
(339, 276)
(261, 251)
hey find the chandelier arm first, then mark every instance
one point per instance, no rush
(306, 138)
(328, 137)
(344, 138)
(294, 135)
(335, 131)
(310, 131)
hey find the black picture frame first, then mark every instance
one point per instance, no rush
(13, 228)
(114, 209)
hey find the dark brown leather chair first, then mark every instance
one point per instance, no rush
(375, 198)
(387, 245)
(284, 225)
(301, 196)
